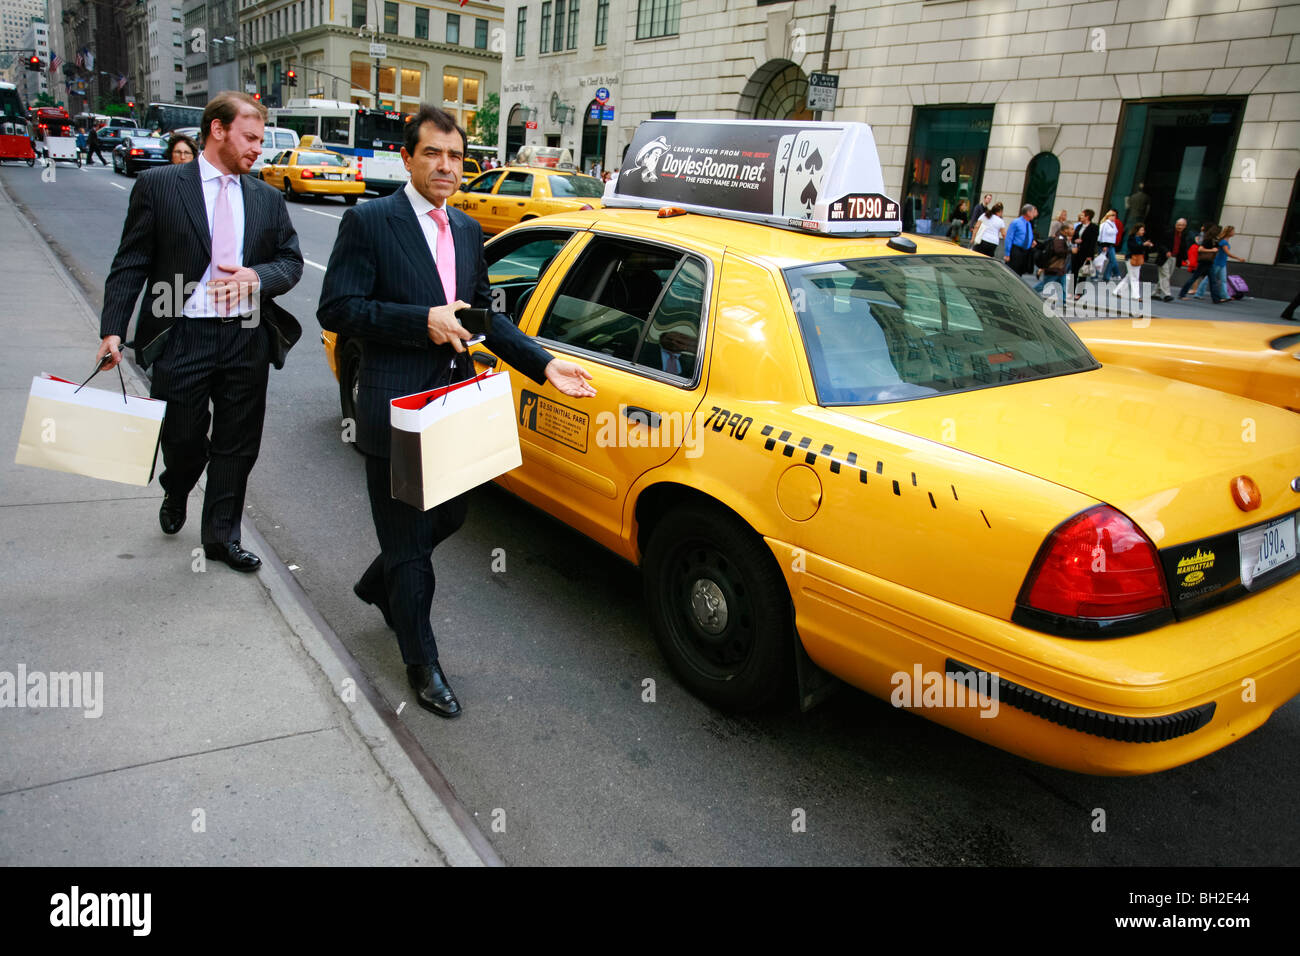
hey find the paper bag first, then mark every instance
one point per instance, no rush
(451, 439)
(90, 432)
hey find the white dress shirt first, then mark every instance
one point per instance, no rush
(422, 207)
(199, 304)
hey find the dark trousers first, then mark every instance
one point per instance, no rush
(403, 570)
(227, 365)
(1203, 267)
(1021, 259)
(91, 153)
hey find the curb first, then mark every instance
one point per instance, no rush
(425, 792)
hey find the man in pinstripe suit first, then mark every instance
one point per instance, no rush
(400, 269)
(211, 247)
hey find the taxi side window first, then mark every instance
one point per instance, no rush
(516, 263)
(516, 184)
(483, 184)
(633, 302)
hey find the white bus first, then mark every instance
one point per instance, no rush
(170, 116)
(373, 137)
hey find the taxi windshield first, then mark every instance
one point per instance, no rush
(583, 187)
(903, 327)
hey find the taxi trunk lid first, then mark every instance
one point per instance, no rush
(1163, 452)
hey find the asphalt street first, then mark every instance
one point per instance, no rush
(559, 756)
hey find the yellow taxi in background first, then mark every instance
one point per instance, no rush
(313, 171)
(500, 198)
(827, 443)
(1259, 360)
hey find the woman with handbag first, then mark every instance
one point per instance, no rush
(989, 231)
(1060, 248)
(1107, 236)
(1138, 248)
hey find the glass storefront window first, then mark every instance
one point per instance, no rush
(945, 164)
(411, 84)
(1041, 177)
(1288, 250)
(450, 88)
(387, 79)
(470, 93)
(361, 74)
(1172, 159)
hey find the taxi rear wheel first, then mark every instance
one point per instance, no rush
(719, 608)
(289, 194)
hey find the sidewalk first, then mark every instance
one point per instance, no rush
(229, 734)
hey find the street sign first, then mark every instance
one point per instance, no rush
(250, 87)
(378, 50)
(599, 114)
(822, 88)
(602, 96)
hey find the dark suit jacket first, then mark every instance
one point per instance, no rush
(166, 235)
(1087, 240)
(379, 286)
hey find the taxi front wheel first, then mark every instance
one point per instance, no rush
(719, 609)
(349, 382)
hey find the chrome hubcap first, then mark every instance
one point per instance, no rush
(709, 605)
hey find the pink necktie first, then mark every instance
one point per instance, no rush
(446, 255)
(224, 248)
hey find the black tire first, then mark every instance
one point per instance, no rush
(289, 194)
(31, 162)
(349, 362)
(350, 200)
(719, 609)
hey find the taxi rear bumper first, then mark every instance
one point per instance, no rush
(1068, 703)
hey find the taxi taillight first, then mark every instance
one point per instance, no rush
(1095, 575)
(137, 152)
(307, 174)
(585, 206)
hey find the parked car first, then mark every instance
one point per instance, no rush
(818, 436)
(137, 152)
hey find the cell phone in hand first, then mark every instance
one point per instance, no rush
(476, 321)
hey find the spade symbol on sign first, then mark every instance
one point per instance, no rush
(781, 170)
(815, 161)
(809, 195)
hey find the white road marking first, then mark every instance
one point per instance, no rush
(118, 185)
(314, 265)
(319, 213)
(400, 706)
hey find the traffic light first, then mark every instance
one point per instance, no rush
(257, 96)
(130, 104)
(291, 78)
(34, 63)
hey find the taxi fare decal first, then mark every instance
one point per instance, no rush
(783, 443)
(558, 422)
(1195, 566)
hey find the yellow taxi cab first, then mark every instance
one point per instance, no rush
(827, 443)
(470, 169)
(313, 170)
(1260, 360)
(500, 198)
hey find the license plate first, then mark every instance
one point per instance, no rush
(333, 176)
(1266, 547)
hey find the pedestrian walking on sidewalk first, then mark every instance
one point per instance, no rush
(1085, 243)
(1177, 242)
(989, 230)
(228, 239)
(92, 147)
(1107, 236)
(376, 293)
(1219, 269)
(1061, 247)
(1061, 219)
(1205, 260)
(1020, 241)
(1138, 248)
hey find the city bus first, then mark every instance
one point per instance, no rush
(170, 116)
(372, 137)
(11, 104)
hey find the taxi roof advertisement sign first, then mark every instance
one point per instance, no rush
(822, 177)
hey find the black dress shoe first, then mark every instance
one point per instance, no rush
(232, 554)
(431, 690)
(172, 514)
(379, 601)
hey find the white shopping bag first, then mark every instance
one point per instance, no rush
(87, 431)
(449, 440)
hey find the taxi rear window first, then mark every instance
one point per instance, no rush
(895, 328)
(581, 187)
(320, 159)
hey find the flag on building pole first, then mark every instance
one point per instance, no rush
(121, 81)
(55, 60)
(81, 60)
(90, 58)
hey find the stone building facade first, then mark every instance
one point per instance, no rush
(1158, 108)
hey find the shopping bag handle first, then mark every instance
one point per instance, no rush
(478, 383)
(99, 368)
